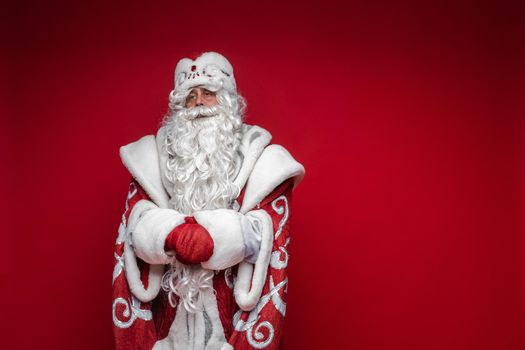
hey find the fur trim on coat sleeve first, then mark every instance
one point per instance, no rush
(250, 281)
(148, 228)
(229, 243)
(224, 226)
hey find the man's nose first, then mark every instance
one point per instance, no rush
(200, 100)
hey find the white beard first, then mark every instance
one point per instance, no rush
(202, 160)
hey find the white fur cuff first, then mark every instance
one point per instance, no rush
(224, 226)
(148, 228)
(250, 282)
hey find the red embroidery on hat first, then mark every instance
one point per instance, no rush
(193, 68)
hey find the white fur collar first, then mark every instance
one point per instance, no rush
(263, 168)
(254, 140)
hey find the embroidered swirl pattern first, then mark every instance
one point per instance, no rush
(253, 326)
(132, 309)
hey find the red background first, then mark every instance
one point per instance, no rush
(408, 116)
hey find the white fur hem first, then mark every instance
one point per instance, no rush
(224, 226)
(246, 296)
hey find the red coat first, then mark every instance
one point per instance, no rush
(139, 325)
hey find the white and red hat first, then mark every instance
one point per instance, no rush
(210, 69)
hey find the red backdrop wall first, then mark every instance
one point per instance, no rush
(408, 116)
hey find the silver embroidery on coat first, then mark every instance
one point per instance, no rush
(131, 192)
(132, 311)
(276, 261)
(280, 210)
(208, 328)
(254, 335)
(119, 267)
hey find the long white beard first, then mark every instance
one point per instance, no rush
(202, 144)
(202, 158)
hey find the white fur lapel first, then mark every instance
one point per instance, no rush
(274, 166)
(142, 161)
(253, 142)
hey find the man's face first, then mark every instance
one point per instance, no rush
(200, 97)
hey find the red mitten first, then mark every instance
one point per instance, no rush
(190, 241)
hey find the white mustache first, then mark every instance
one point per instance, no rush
(200, 111)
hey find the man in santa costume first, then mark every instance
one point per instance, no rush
(201, 255)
